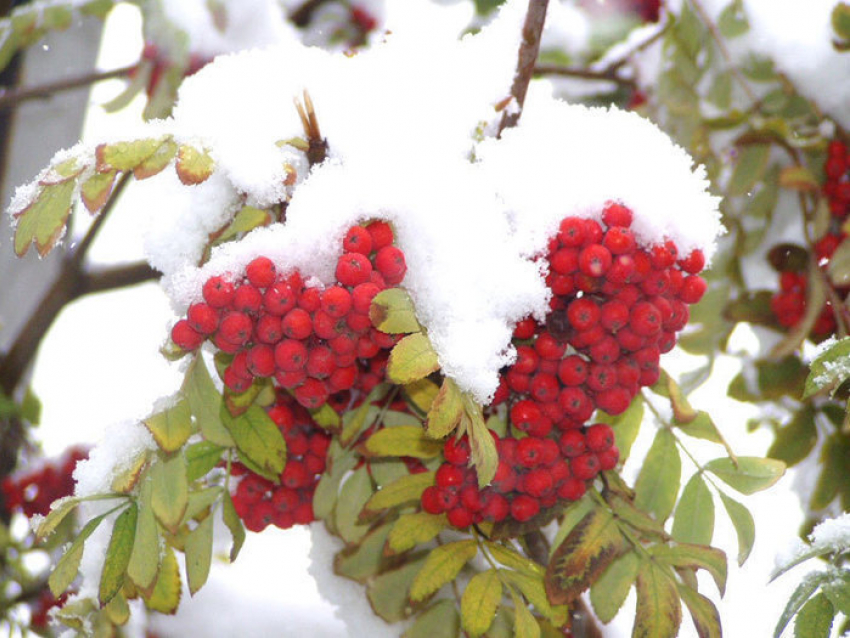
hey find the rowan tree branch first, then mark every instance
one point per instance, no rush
(608, 75)
(529, 49)
(12, 97)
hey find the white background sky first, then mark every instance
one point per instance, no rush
(100, 365)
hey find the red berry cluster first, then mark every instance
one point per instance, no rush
(313, 341)
(33, 491)
(534, 473)
(789, 303)
(615, 309)
(258, 501)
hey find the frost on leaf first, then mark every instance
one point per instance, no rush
(43, 221)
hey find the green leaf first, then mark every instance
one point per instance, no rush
(170, 491)
(247, 219)
(405, 489)
(733, 20)
(125, 156)
(95, 191)
(585, 554)
(43, 221)
(206, 403)
(534, 590)
(363, 561)
(388, 593)
(573, 515)
(525, 626)
(66, 568)
(659, 612)
(509, 557)
(841, 20)
(442, 566)
(440, 620)
(446, 410)
(144, 559)
(193, 166)
(392, 311)
(172, 427)
(118, 554)
(412, 529)
(794, 441)
(801, 594)
(720, 92)
(422, 394)
(829, 368)
(165, 597)
(703, 612)
(658, 482)
(355, 422)
(626, 426)
(117, 610)
(258, 439)
(694, 519)
(666, 386)
(202, 457)
(703, 427)
(352, 497)
(234, 524)
(411, 359)
(751, 475)
(749, 169)
(744, 525)
(609, 592)
(327, 490)
(59, 509)
(403, 440)
(482, 446)
(198, 549)
(838, 591)
(815, 618)
(690, 556)
(479, 602)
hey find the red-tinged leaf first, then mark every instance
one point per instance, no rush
(585, 554)
(43, 221)
(441, 566)
(193, 166)
(125, 156)
(446, 410)
(411, 359)
(67, 170)
(392, 311)
(403, 440)
(95, 191)
(165, 597)
(479, 602)
(703, 612)
(157, 161)
(118, 554)
(690, 556)
(798, 178)
(659, 612)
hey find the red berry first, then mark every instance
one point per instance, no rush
(290, 355)
(431, 501)
(353, 269)
(496, 507)
(572, 370)
(572, 443)
(599, 437)
(185, 336)
(247, 298)
(390, 263)
(662, 256)
(525, 415)
(261, 360)
(572, 489)
(357, 240)
(571, 232)
(285, 499)
(236, 328)
(585, 467)
(615, 214)
(548, 347)
(459, 517)
(544, 387)
(564, 261)
(261, 272)
(218, 292)
(456, 451)
(608, 458)
(320, 362)
(619, 240)
(268, 329)
(448, 476)
(312, 393)
(235, 381)
(529, 451)
(595, 260)
(693, 288)
(645, 319)
(614, 401)
(297, 324)
(362, 296)
(538, 482)
(525, 329)
(524, 508)
(577, 405)
(382, 234)
(583, 313)
(310, 299)
(279, 299)
(606, 350)
(203, 318)
(336, 301)
(693, 263)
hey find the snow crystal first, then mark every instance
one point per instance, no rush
(832, 534)
(120, 446)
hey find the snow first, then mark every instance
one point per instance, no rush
(121, 444)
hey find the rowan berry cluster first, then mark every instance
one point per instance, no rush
(32, 492)
(789, 303)
(615, 309)
(534, 473)
(258, 501)
(312, 341)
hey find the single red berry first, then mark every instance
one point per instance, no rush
(592, 232)
(619, 240)
(663, 256)
(261, 360)
(285, 499)
(496, 507)
(362, 296)
(693, 263)
(577, 405)
(622, 270)
(524, 507)
(336, 301)
(470, 498)
(261, 272)
(615, 214)
(342, 378)
(320, 362)
(366, 348)
(304, 513)
(606, 350)
(431, 501)
(235, 381)
(247, 298)
(537, 482)
(608, 458)
(657, 282)
(614, 401)
(459, 517)
(381, 233)
(572, 443)
(185, 336)
(448, 475)
(218, 292)
(585, 467)
(391, 264)
(544, 387)
(310, 299)
(525, 415)
(224, 345)
(572, 489)
(357, 240)
(548, 347)
(529, 451)
(353, 269)
(571, 232)
(517, 381)
(327, 327)
(312, 393)
(595, 260)
(268, 329)
(203, 318)
(297, 324)
(290, 355)
(358, 323)
(525, 329)
(645, 319)
(564, 261)
(319, 443)
(693, 288)
(599, 437)
(583, 313)
(279, 299)
(236, 327)
(456, 451)
(572, 370)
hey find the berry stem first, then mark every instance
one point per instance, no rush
(529, 49)
(12, 97)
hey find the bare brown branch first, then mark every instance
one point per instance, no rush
(10, 98)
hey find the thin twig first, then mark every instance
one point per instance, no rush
(10, 98)
(529, 49)
(608, 75)
(302, 15)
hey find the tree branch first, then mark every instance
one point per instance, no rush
(529, 49)
(302, 15)
(608, 75)
(10, 98)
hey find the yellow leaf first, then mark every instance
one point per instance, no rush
(402, 440)
(193, 166)
(392, 311)
(404, 489)
(659, 612)
(412, 529)
(479, 602)
(165, 597)
(442, 566)
(446, 410)
(411, 359)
